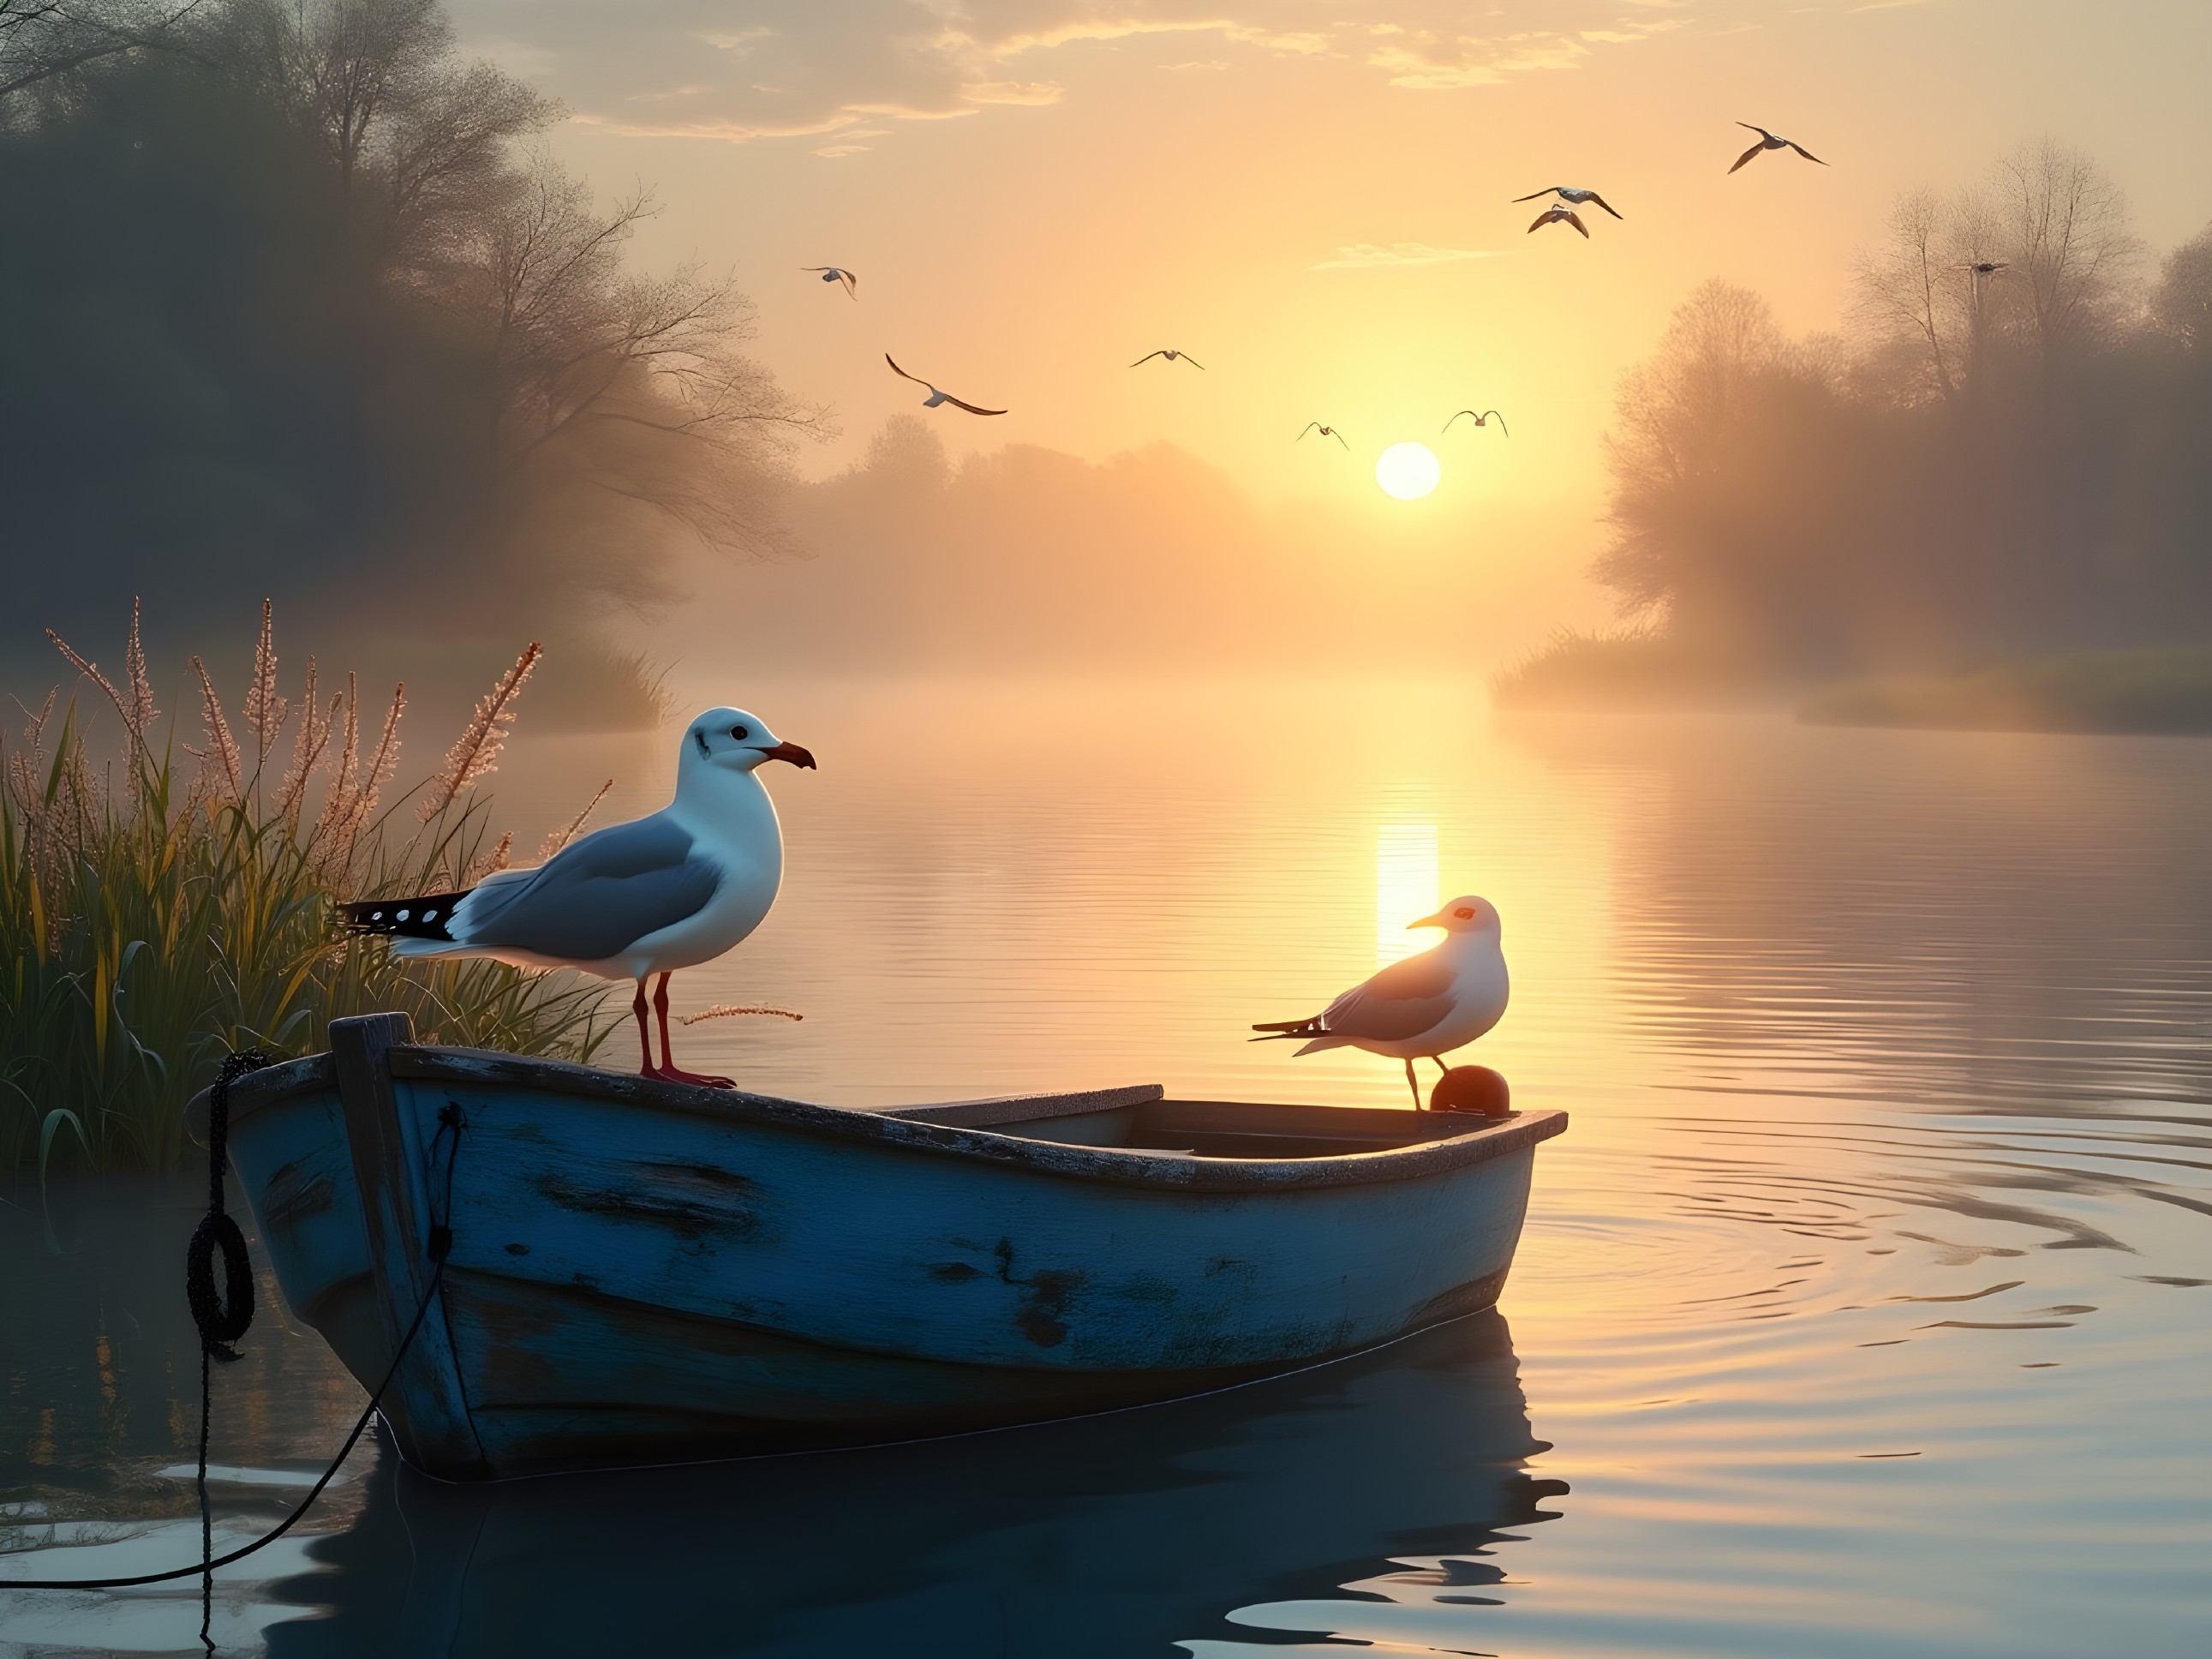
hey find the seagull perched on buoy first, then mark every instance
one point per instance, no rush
(1557, 213)
(1170, 355)
(1771, 141)
(1573, 194)
(1482, 419)
(936, 396)
(1325, 431)
(1421, 1008)
(669, 891)
(838, 273)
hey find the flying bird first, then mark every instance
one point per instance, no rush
(1555, 214)
(1771, 141)
(838, 273)
(669, 891)
(1325, 431)
(1572, 193)
(1482, 419)
(1170, 355)
(1423, 1008)
(936, 396)
(1982, 268)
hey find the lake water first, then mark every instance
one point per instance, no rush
(1866, 1305)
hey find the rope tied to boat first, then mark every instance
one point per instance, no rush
(439, 1244)
(223, 1320)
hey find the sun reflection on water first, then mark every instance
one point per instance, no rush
(1406, 887)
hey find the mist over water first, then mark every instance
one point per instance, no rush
(1862, 1306)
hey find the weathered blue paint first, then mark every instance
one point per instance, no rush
(644, 1271)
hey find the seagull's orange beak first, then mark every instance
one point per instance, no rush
(1436, 920)
(794, 754)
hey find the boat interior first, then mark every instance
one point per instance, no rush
(1142, 1119)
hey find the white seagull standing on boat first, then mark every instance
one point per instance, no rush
(1574, 194)
(669, 891)
(1558, 213)
(838, 273)
(1170, 355)
(1423, 1008)
(936, 396)
(1771, 141)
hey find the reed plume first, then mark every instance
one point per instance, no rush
(141, 713)
(476, 752)
(727, 1010)
(265, 709)
(379, 771)
(220, 757)
(307, 746)
(559, 838)
(489, 863)
(91, 671)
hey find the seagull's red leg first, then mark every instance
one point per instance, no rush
(668, 1067)
(1414, 1084)
(644, 1034)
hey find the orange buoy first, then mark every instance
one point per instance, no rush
(1472, 1088)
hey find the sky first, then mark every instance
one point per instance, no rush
(1313, 198)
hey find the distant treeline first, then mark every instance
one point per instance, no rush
(2007, 451)
(294, 307)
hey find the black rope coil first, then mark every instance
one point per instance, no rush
(222, 1320)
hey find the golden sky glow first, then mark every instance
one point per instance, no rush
(1034, 193)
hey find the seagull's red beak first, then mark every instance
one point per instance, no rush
(794, 753)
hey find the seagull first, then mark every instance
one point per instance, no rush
(1555, 214)
(1572, 193)
(1771, 141)
(1170, 355)
(1325, 431)
(1982, 268)
(838, 273)
(1424, 1006)
(1482, 419)
(669, 891)
(936, 396)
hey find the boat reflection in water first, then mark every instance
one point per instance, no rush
(1117, 1536)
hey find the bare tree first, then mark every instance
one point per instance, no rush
(2181, 305)
(43, 40)
(1907, 295)
(2067, 237)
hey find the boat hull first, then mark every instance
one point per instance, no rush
(640, 1273)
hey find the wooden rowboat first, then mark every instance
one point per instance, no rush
(639, 1272)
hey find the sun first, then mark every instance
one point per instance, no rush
(1408, 471)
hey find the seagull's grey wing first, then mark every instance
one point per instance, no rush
(1447, 424)
(1576, 221)
(1310, 426)
(598, 895)
(1761, 132)
(903, 376)
(1748, 154)
(1494, 414)
(1607, 205)
(1543, 219)
(1147, 358)
(1547, 191)
(1803, 151)
(1192, 361)
(970, 408)
(1404, 1000)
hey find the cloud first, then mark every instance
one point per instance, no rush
(741, 70)
(1361, 256)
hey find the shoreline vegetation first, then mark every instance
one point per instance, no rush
(1981, 502)
(175, 902)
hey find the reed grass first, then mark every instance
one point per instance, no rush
(155, 915)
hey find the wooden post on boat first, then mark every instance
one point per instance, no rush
(425, 1404)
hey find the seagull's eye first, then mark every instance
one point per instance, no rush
(740, 733)
(1464, 913)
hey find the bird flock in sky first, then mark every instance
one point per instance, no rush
(1562, 211)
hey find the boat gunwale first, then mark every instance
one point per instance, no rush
(1483, 1141)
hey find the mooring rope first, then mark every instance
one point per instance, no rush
(222, 1323)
